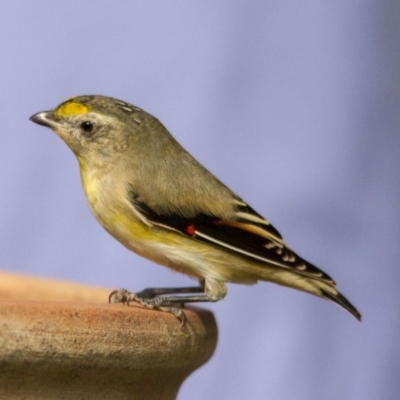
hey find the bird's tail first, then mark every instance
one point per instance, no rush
(333, 295)
(320, 287)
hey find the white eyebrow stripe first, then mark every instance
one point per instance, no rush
(131, 107)
(125, 108)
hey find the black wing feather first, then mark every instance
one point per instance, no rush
(213, 230)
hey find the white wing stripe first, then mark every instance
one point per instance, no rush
(253, 218)
(252, 255)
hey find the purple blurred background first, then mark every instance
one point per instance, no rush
(294, 105)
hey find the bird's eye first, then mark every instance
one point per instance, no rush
(87, 128)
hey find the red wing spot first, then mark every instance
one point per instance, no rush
(190, 230)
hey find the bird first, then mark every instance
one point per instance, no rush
(158, 201)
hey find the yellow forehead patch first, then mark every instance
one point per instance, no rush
(72, 108)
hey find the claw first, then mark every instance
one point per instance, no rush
(182, 318)
(121, 296)
(125, 297)
(111, 295)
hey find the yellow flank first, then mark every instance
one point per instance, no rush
(138, 230)
(130, 226)
(72, 108)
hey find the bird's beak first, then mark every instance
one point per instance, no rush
(44, 118)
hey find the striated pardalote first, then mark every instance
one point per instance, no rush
(158, 201)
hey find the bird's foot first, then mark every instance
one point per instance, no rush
(148, 300)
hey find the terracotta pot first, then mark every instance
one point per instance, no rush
(88, 349)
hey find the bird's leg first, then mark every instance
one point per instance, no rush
(150, 293)
(209, 290)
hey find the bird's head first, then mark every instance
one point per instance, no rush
(96, 128)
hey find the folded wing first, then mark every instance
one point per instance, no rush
(247, 234)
